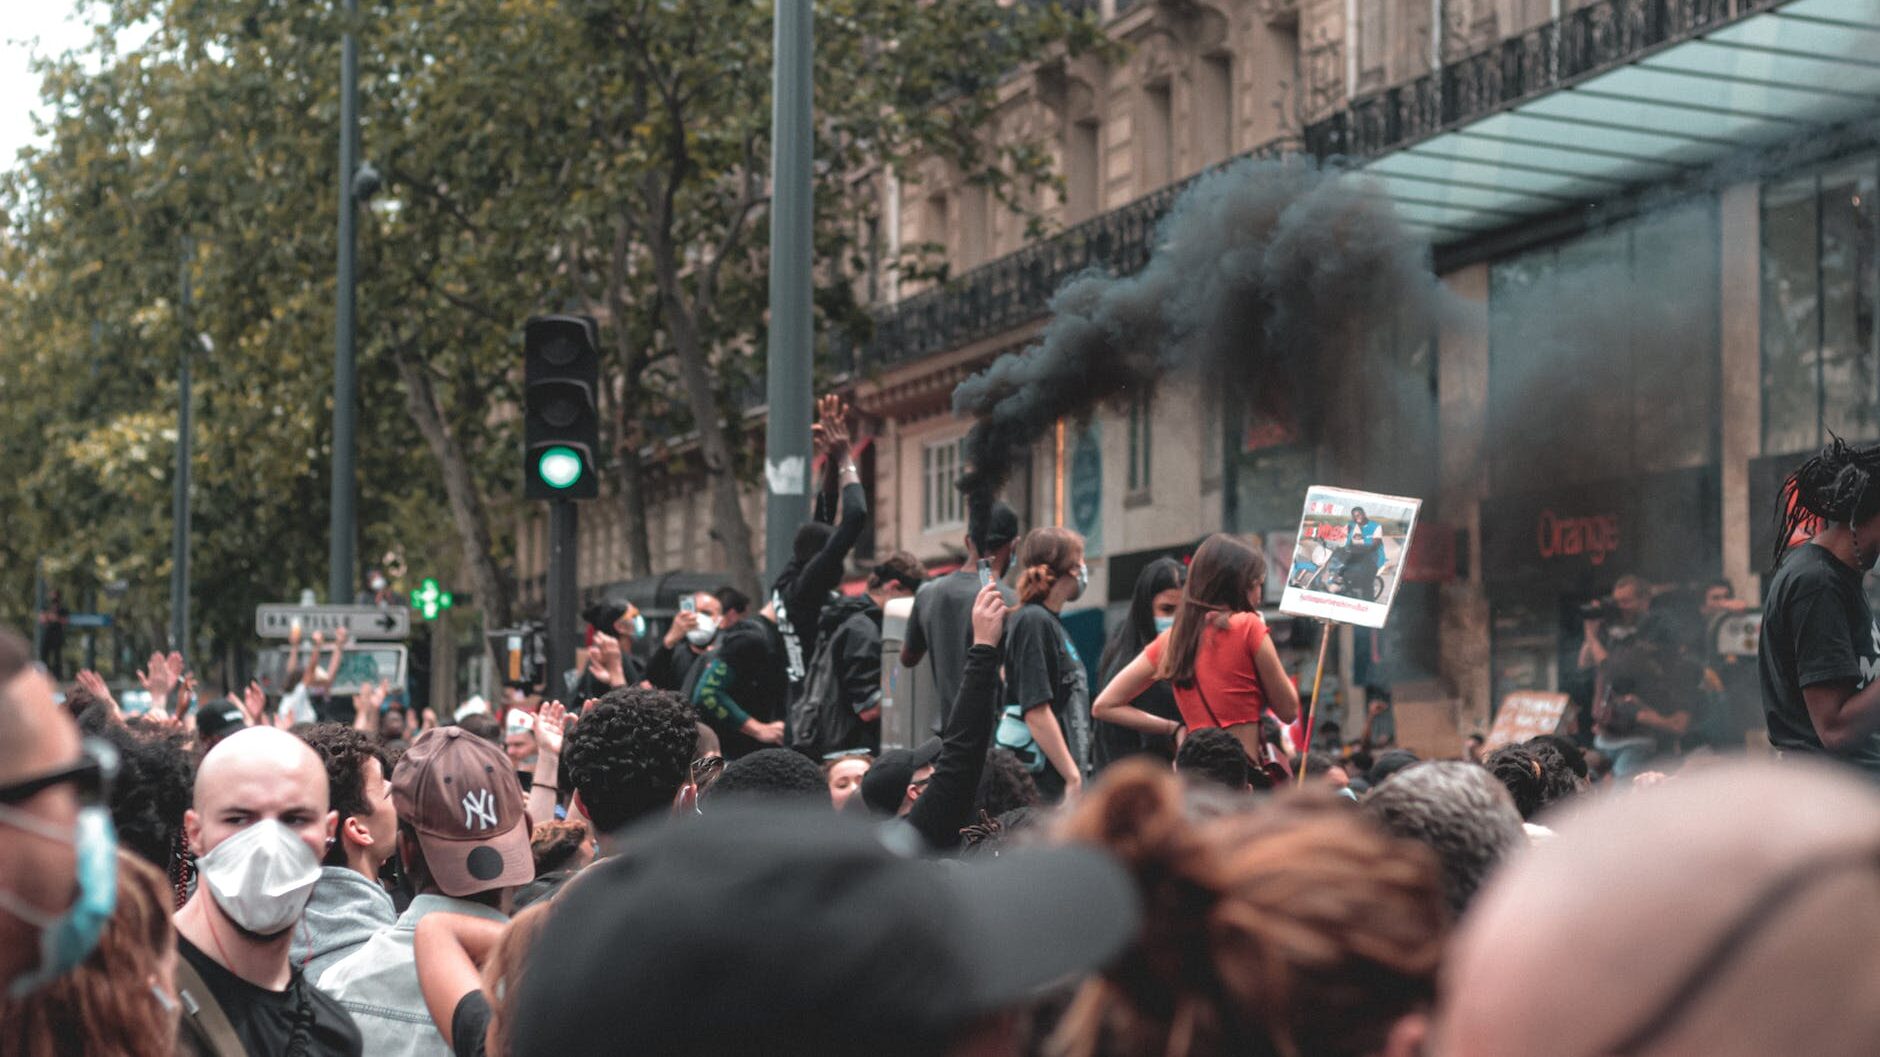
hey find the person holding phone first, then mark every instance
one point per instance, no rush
(1218, 655)
(941, 625)
(693, 632)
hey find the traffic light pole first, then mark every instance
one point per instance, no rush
(788, 393)
(179, 508)
(563, 525)
(339, 589)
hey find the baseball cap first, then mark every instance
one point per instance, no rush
(460, 794)
(215, 719)
(885, 784)
(761, 930)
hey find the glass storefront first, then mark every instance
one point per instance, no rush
(1603, 430)
(1821, 363)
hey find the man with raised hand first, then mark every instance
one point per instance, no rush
(258, 828)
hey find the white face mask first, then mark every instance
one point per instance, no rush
(1083, 581)
(261, 877)
(704, 631)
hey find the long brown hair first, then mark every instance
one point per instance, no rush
(502, 974)
(1297, 928)
(106, 1005)
(1220, 579)
(1046, 555)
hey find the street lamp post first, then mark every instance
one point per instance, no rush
(179, 511)
(787, 367)
(345, 398)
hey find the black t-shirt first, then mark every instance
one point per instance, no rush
(1041, 665)
(470, 1025)
(264, 1019)
(1110, 742)
(941, 626)
(1816, 630)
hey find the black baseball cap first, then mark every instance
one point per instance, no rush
(760, 930)
(885, 784)
(216, 719)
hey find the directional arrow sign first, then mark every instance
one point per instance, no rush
(275, 620)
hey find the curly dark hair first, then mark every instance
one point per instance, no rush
(155, 785)
(1211, 754)
(345, 751)
(773, 774)
(1537, 775)
(628, 756)
(1005, 784)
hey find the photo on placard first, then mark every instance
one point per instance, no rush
(1348, 557)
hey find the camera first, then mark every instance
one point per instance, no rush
(1599, 609)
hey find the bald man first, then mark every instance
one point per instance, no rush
(259, 827)
(1728, 913)
(45, 779)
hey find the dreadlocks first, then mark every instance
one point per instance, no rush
(1835, 486)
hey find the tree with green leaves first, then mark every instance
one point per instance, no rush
(601, 156)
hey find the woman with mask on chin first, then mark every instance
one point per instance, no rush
(1151, 612)
(1046, 722)
(1217, 655)
(120, 999)
(260, 823)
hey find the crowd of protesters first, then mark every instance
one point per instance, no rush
(714, 854)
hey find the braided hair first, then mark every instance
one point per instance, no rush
(1836, 486)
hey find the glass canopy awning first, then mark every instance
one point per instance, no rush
(1615, 96)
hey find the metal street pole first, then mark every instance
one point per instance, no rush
(345, 400)
(179, 510)
(563, 524)
(786, 433)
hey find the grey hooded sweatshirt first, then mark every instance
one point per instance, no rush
(346, 908)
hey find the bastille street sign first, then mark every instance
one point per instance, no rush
(275, 620)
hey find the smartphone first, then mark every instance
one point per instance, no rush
(688, 604)
(985, 571)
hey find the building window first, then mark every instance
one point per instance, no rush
(1213, 118)
(1821, 362)
(940, 505)
(1158, 136)
(1083, 172)
(933, 226)
(1213, 437)
(1141, 409)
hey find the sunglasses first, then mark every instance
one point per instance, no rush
(90, 776)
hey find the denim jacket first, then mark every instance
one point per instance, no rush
(378, 983)
(346, 909)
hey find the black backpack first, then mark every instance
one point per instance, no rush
(821, 721)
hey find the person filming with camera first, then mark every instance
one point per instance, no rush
(1641, 705)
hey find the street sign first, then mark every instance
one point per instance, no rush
(88, 620)
(358, 666)
(275, 620)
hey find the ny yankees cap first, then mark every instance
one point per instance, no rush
(460, 794)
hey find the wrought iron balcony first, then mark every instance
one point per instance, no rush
(1582, 43)
(1015, 289)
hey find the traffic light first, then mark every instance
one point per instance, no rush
(561, 386)
(429, 600)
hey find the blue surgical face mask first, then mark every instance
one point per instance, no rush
(1163, 624)
(65, 939)
(639, 625)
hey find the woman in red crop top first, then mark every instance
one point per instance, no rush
(1218, 656)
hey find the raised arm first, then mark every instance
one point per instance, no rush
(946, 805)
(1116, 703)
(448, 949)
(831, 435)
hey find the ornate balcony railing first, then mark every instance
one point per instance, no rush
(1015, 289)
(1583, 43)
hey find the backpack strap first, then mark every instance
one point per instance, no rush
(203, 1016)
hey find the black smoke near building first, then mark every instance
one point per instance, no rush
(1262, 271)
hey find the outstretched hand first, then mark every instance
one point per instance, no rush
(161, 677)
(549, 720)
(830, 434)
(93, 683)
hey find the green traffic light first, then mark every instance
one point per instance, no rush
(559, 467)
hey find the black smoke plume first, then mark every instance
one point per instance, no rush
(1260, 271)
